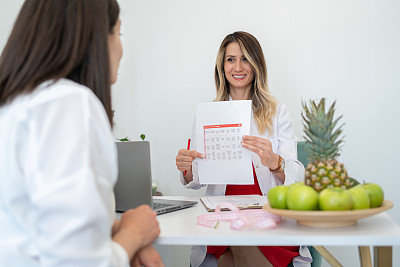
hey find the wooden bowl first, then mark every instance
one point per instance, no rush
(329, 218)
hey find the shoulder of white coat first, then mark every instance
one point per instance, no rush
(64, 95)
(280, 107)
(63, 88)
(60, 93)
(282, 110)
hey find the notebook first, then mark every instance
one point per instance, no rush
(133, 187)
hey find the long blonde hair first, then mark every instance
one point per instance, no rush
(264, 104)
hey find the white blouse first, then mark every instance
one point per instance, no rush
(58, 167)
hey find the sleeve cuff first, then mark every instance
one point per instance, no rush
(121, 258)
(294, 172)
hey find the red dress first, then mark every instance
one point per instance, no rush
(279, 256)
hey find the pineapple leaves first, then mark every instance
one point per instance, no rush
(331, 112)
(335, 122)
(320, 130)
(324, 140)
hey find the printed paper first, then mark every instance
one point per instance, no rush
(219, 130)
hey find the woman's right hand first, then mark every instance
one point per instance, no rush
(185, 158)
(137, 229)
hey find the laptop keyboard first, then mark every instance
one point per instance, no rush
(161, 205)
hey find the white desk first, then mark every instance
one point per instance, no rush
(180, 228)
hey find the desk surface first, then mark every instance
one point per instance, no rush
(180, 228)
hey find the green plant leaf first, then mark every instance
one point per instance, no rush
(353, 182)
(142, 136)
(126, 139)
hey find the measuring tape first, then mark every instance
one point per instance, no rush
(257, 218)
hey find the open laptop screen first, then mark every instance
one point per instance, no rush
(133, 187)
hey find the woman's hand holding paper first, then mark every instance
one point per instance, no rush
(263, 148)
(184, 161)
(185, 158)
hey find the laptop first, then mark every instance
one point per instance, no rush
(133, 187)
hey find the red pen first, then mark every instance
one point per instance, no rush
(188, 147)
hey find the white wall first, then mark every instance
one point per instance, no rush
(343, 50)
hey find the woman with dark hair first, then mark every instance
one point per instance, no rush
(241, 74)
(58, 156)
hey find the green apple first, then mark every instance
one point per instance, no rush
(335, 198)
(302, 197)
(296, 184)
(291, 186)
(277, 197)
(360, 197)
(375, 194)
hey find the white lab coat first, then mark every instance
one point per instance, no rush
(58, 168)
(284, 143)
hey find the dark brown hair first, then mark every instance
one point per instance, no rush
(53, 39)
(264, 104)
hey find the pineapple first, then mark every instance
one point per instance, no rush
(324, 143)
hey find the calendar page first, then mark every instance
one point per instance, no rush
(222, 142)
(219, 130)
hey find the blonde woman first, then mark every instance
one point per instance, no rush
(241, 74)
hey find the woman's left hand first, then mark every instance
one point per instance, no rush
(148, 257)
(115, 227)
(262, 147)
